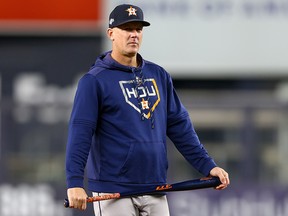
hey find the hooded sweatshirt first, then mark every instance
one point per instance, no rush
(119, 124)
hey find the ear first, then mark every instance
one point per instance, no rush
(110, 34)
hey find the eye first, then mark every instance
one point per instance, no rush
(131, 29)
(139, 30)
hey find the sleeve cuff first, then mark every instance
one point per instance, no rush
(75, 182)
(206, 171)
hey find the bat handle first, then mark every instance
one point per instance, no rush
(66, 203)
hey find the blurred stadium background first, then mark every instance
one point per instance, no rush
(229, 62)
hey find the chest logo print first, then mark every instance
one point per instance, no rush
(144, 99)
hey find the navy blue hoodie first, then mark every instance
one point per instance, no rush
(119, 123)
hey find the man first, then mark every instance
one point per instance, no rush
(123, 110)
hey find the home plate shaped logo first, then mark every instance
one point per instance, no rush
(149, 90)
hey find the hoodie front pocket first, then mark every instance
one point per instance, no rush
(146, 162)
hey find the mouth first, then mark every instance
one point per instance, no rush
(133, 43)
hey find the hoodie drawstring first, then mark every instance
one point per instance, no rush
(140, 82)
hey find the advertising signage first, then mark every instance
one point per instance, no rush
(219, 38)
(49, 15)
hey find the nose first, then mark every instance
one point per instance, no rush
(134, 33)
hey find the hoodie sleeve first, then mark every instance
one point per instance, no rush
(181, 132)
(82, 126)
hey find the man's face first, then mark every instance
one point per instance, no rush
(127, 38)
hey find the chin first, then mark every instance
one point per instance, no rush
(132, 53)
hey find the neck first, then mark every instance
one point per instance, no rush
(125, 60)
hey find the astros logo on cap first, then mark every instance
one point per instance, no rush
(132, 11)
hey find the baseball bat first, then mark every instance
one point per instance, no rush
(180, 186)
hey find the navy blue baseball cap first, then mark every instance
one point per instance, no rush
(125, 13)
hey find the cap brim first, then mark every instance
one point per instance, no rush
(145, 23)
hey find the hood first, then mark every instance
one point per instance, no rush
(106, 61)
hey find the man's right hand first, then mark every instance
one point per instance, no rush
(77, 198)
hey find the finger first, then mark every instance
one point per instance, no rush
(84, 205)
(227, 180)
(75, 203)
(71, 203)
(81, 203)
(221, 187)
(71, 206)
(224, 178)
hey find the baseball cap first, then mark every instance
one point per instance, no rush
(125, 13)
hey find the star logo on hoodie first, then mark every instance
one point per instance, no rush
(131, 11)
(144, 104)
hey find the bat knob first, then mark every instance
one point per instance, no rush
(66, 203)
